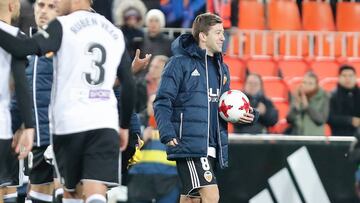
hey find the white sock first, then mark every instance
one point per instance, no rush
(65, 200)
(96, 198)
(11, 195)
(41, 196)
(59, 191)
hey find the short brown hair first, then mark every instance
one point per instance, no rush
(203, 22)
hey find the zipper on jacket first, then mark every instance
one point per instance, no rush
(34, 101)
(208, 105)
(217, 118)
(181, 125)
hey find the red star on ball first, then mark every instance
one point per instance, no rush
(224, 108)
(246, 106)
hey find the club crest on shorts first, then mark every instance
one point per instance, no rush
(208, 176)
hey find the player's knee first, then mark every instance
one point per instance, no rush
(43, 189)
(210, 197)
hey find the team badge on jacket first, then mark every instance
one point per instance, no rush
(208, 176)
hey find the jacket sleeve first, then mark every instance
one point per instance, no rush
(319, 116)
(271, 115)
(335, 116)
(166, 95)
(292, 114)
(15, 115)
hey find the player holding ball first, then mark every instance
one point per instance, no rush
(187, 109)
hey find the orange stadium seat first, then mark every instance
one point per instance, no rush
(259, 44)
(276, 89)
(294, 45)
(281, 125)
(230, 127)
(233, 48)
(353, 45)
(292, 68)
(263, 67)
(325, 69)
(251, 15)
(328, 84)
(317, 15)
(283, 15)
(236, 68)
(348, 16)
(236, 85)
(329, 45)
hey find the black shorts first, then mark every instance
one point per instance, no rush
(195, 173)
(90, 155)
(40, 172)
(10, 173)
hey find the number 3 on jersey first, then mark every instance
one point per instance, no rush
(97, 75)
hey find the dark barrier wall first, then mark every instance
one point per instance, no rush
(254, 159)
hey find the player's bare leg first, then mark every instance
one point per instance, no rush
(72, 197)
(42, 192)
(58, 191)
(1, 195)
(185, 199)
(10, 195)
(209, 194)
(94, 191)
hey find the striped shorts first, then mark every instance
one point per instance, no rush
(195, 173)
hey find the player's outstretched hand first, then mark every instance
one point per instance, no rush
(124, 138)
(23, 142)
(247, 117)
(139, 63)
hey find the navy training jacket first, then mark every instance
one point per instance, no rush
(181, 106)
(39, 74)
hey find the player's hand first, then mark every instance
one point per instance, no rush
(261, 108)
(23, 142)
(172, 142)
(124, 138)
(147, 135)
(138, 63)
(247, 117)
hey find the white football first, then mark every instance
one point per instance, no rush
(232, 105)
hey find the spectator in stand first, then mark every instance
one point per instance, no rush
(268, 114)
(309, 108)
(153, 76)
(129, 16)
(181, 13)
(155, 41)
(153, 178)
(344, 118)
